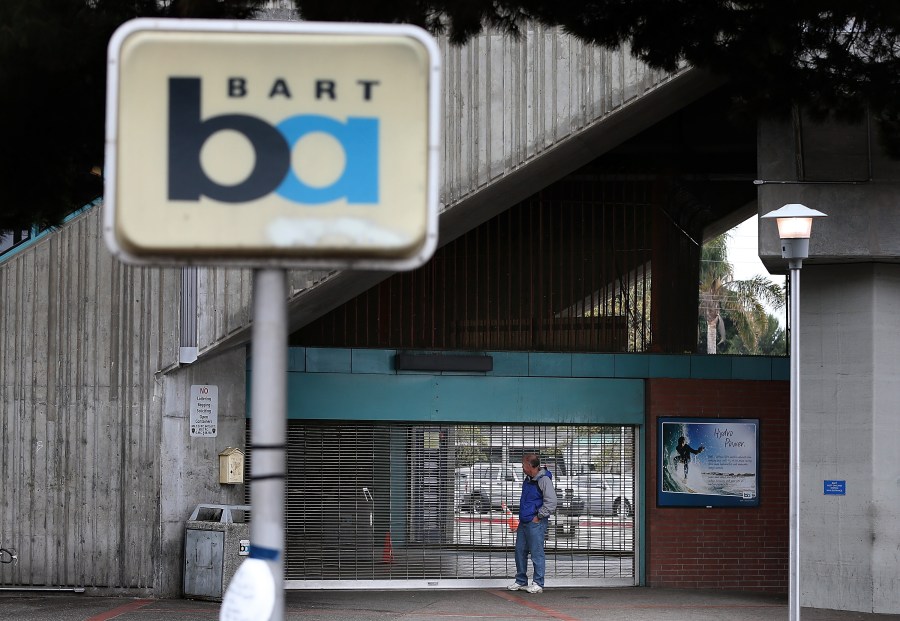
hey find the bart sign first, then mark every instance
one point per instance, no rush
(285, 144)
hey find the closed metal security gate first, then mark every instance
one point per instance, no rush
(436, 505)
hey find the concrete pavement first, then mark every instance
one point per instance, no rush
(564, 604)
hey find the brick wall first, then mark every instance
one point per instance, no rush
(722, 548)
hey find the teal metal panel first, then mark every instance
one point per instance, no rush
(541, 400)
(676, 366)
(751, 368)
(632, 365)
(509, 364)
(372, 361)
(334, 396)
(641, 551)
(711, 367)
(296, 360)
(327, 360)
(781, 369)
(524, 364)
(338, 396)
(550, 365)
(593, 365)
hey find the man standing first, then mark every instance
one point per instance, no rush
(537, 504)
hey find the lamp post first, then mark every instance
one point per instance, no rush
(794, 227)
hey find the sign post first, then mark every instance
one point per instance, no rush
(269, 407)
(271, 145)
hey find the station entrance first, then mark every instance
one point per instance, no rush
(436, 505)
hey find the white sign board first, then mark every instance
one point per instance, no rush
(272, 144)
(204, 411)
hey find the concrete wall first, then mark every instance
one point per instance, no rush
(99, 471)
(885, 465)
(81, 339)
(849, 293)
(506, 101)
(851, 180)
(850, 339)
(189, 466)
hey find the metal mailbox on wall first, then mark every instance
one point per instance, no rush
(231, 466)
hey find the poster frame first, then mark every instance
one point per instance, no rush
(666, 498)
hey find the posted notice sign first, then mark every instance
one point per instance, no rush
(204, 411)
(835, 488)
(272, 144)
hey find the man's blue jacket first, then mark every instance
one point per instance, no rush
(538, 496)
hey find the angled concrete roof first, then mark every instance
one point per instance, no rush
(519, 114)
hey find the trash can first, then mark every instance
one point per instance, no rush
(215, 540)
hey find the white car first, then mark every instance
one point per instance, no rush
(485, 487)
(602, 494)
(482, 487)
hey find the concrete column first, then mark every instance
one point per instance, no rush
(850, 353)
(886, 440)
(850, 335)
(189, 466)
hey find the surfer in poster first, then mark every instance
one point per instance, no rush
(684, 454)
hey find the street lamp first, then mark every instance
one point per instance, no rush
(794, 227)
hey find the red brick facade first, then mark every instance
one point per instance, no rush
(722, 548)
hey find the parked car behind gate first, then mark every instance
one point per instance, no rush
(483, 487)
(487, 486)
(461, 482)
(602, 494)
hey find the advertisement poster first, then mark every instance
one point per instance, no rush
(708, 462)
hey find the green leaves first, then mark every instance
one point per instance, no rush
(736, 304)
(838, 57)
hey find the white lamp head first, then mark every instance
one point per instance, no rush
(794, 227)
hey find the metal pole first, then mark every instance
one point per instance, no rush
(794, 483)
(269, 412)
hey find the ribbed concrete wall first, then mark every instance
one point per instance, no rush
(81, 337)
(506, 101)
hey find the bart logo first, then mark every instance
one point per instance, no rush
(272, 145)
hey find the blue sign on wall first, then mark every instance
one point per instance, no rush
(835, 488)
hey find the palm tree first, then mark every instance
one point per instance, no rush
(772, 342)
(742, 300)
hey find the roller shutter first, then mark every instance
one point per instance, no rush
(402, 503)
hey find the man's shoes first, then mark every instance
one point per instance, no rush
(515, 586)
(534, 588)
